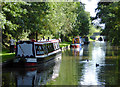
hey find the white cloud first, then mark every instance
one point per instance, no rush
(90, 6)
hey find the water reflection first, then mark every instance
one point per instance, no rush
(90, 70)
(77, 69)
(77, 51)
(32, 76)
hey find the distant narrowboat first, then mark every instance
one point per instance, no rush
(76, 42)
(31, 53)
(85, 40)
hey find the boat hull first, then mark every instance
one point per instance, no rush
(34, 62)
(75, 45)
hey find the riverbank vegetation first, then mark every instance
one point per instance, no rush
(33, 20)
(6, 55)
(64, 44)
(109, 13)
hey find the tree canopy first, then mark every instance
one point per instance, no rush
(26, 20)
(109, 13)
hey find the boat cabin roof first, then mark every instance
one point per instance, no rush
(44, 41)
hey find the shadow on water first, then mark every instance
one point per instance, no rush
(35, 76)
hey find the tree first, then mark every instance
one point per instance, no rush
(109, 14)
(83, 21)
(29, 20)
(12, 20)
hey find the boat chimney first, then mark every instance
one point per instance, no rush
(48, 38)
(43, 38)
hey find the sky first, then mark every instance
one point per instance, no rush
(90, 6)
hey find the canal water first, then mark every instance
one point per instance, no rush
(95, 64)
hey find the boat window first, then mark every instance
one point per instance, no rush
(76, 40)
(55, 46)
(58, 45)
(39, 50)
(51, 47)
(48, 47)
(45, 48)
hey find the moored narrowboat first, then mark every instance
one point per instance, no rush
(85, 40)
(29, 53)
(76, 42)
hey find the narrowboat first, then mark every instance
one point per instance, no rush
(77, 42)
(29, 53)
(85, 40)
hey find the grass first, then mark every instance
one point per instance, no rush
(91, 39)
(5, 55)
(63, 44)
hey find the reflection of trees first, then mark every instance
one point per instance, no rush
(110, 72)
(86, 50)
(68, 70)
(33, 76)
(7, 81)
(112, 51)
(89, 72)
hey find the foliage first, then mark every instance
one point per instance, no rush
(64, 44)
(6, 55)
(28, 20)
(109, 12)
(13, 20)
(83, 21)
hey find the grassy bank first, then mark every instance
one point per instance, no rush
(6, 55)
(91, 39)
(63, 44)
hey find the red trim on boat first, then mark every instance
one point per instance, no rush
(31, 64)
(75, 46)
(31, 69)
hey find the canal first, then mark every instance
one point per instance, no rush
(95, 64)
